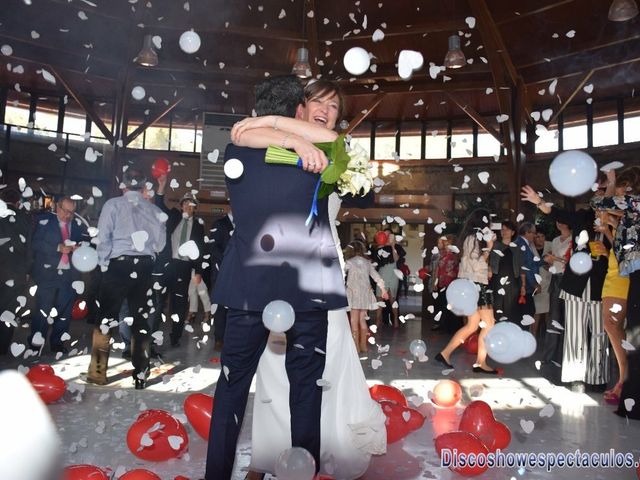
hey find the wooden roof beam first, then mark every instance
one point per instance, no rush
(537, 11)
(566, 103)
(475, 116)
(88, 108)
(404, 30)
(353, 124)
(138, 131)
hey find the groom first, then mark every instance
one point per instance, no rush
(272, 255)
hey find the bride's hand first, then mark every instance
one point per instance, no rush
(313, 159)
(385, 295)
(268, 121)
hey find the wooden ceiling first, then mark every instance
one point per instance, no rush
(91, 44)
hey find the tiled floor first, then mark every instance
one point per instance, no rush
(92, 421)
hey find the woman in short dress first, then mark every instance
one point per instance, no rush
(477, 243)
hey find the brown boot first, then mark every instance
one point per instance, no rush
(206, 318)
(356, 339)
(99, 358)
(364, 345)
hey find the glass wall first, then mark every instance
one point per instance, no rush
(632, 128)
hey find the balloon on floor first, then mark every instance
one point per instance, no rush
(139, 474)
(401, 420)
(198, 408)
(463, 442)
(479, 420)
(84, 472)
(295, 464)
(471, 344)
(49, 386)
(387, 393)
(446, 393)
(157, 436)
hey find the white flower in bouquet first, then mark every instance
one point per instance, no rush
(357, 178)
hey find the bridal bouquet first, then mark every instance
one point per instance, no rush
(348, 167)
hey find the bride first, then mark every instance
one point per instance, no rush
(352, 424)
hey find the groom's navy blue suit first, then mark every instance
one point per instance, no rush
(272, 255)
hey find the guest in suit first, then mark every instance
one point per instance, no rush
(182, 227)
(220, 235)
(507, 277)
(55, 238)
(15, 248)
(272, 255)
(530, 266)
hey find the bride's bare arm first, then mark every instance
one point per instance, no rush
(244, 131)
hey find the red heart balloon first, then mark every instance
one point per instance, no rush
(41, 369)
(463, 442)
(401, 421)
(387, 393)
(150, 436)
(160, 167)
(198, 407)
(445, 420)
(478, 419)
(139, 474)
(84, 472)
(49, 386)
(381, 238)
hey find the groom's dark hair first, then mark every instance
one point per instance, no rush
(279, 95)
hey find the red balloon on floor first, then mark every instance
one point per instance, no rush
(446, 393)
(139, 474)
(156, 436)
(387, 393)
(79, 309)
(471, 344)
(401, 421)
(445, 420)
(381, 238)
(463, 442)
(84, 472)
(49, 386)
(198, 408)
(160, 167)
(41, 369)
(478, 419)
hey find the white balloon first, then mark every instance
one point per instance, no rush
(84, 258)
(504, 342)
(528, 344)
(278, 316)
(295, 464)
(580, 263)
(356, 61)
(417, 348)
(462, 296)
(190, 42)
(233, 168)
(138, 92)
(573, 173)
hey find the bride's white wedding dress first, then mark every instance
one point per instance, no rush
(352, 424)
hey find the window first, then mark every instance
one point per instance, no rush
(632, 129)
(605, 133)
(198, 140)
(47, 114)
(461, 145)
(385, 142)
(17, 111)
(183, 133)
(488, 146)
(411, 141)
(436, 143)
(575, 137)
(547, 140)
(156, 138)
(362, 136)
(138, 142)
(75, 118)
